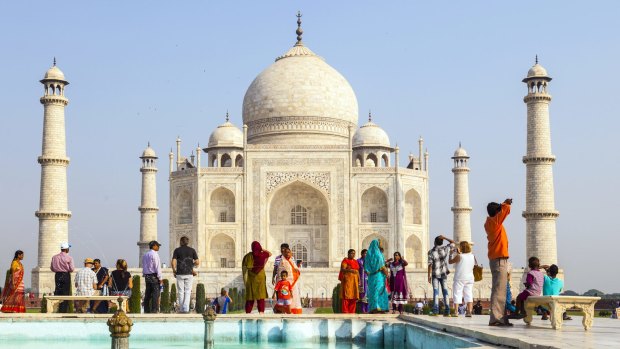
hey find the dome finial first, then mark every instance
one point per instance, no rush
(227, 118)
(536, 59)
(54, 61)
(460, 144)
(148, 144)
(299, 31)
(369, 116)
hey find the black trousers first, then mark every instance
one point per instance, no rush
(151, 294)
(63, 288)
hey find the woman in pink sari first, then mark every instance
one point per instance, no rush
(13, 292)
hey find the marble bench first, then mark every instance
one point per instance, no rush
(557, 305)
(52, 301)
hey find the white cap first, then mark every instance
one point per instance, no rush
(64, 245)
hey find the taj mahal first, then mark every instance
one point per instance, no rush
(300, 168)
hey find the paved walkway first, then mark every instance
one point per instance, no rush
(605, 333)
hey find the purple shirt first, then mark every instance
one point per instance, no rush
(534, 282)
(151, 264)
(62, 263)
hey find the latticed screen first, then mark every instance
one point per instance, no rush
(373, 217)
(299, 215)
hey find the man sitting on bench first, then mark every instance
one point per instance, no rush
(85, 284)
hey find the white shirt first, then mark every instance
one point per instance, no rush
(464, 269)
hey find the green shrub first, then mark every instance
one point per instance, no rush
(604, 313)
(200, 298)
(44, 304)
(409, 308)
(336, 300)
(164, 298)
(173, 295)
(135, 299)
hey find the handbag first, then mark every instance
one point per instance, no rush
(477, 271)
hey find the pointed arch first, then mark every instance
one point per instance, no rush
(371, 161)
(374, 208)
(226, 160)
(299, 215)
(413, 252)
(185, 207)
(413, 207)
(386, 160)
(222, 205)
(239, 160)
(382, 241)
(222, 252)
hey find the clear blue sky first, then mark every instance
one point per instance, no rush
(449, 71)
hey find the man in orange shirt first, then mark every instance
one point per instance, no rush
(498, 260)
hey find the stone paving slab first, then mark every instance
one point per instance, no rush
(605, 333)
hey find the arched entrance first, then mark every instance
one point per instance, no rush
(299, 215)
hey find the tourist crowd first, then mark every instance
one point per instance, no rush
(368, 284)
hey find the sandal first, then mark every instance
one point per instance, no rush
(501, 324)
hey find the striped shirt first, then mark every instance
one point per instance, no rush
(62, 263)
(151, 264)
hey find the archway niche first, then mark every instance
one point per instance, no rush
(222, 206)
(184, 208)
(225, 161)
(413, 207)
(413, 252)
(299, 215)
(222, 252)
(374, 206)
(382, 241)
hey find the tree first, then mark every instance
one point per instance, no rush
(173, 295)
(164, 298)
(136, 297)
(200, 298)
(593, 293)
(569, 293)
(44, 304)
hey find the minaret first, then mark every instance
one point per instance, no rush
(148, 208)
(53, 210)
(461, 208)
(540, 213)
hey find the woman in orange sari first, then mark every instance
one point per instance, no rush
(349, 282)
(13, 293)
(288, 263)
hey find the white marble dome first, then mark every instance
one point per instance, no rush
(299, 94)
(371, 135)
(54, 73)
(460, 153)
(226, 135)
(149, 152)
(537, 71)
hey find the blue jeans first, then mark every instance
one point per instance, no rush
(436, 283)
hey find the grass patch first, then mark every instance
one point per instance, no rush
(326, 310)
(33, 310)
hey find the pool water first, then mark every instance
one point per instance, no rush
(229, 333)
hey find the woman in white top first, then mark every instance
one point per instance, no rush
(463, 277)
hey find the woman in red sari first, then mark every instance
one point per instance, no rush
(349, 282)
(13, 293)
